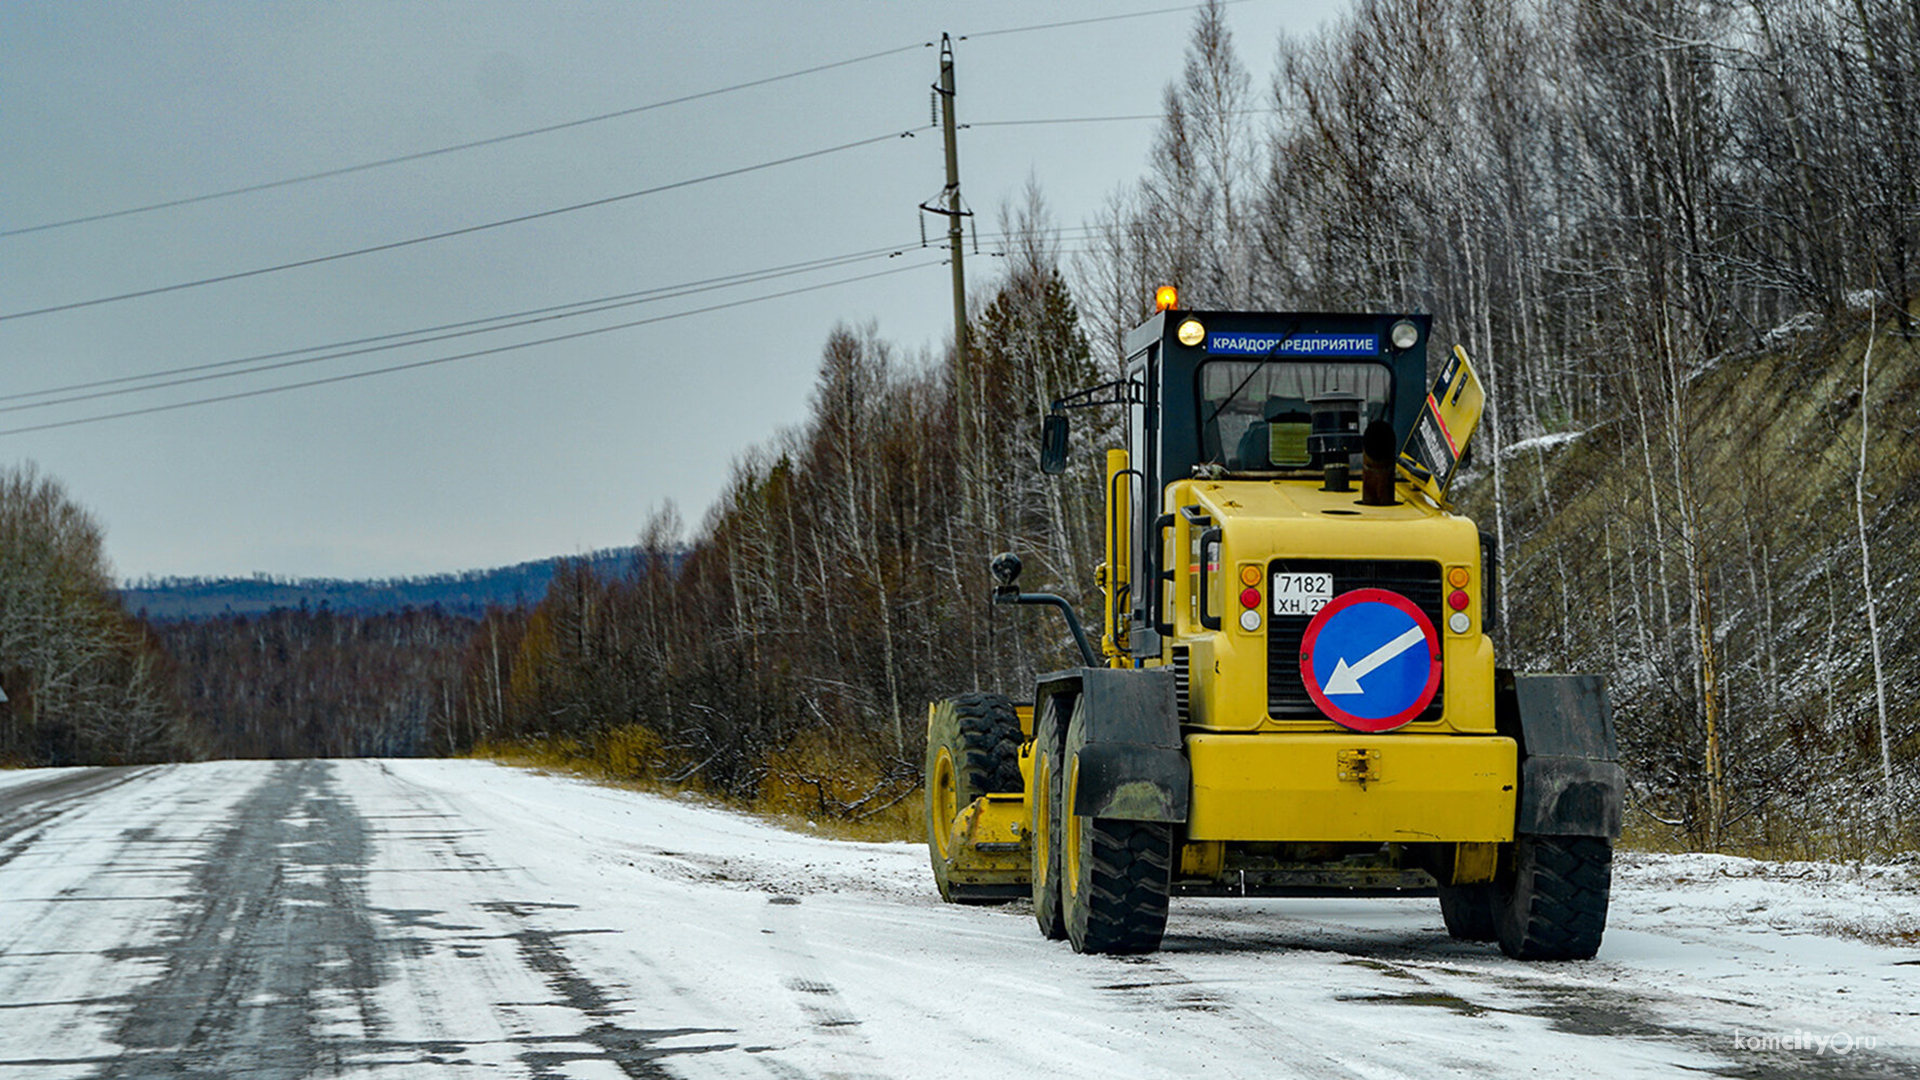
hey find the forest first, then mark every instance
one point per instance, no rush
(1678, 238)
(467, 593)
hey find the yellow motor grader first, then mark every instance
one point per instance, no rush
(1293, 691)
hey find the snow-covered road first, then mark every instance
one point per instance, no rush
(456, 918)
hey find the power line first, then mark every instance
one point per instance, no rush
(1062, 120)
(1084, 22)
(419, 155)
(659, 292)
(1101, 119)
(344, 170)
(546, 315)
(451, 359)
(574, 307)
(217, 279)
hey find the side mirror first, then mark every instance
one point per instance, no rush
(1006, 571)
(1006, 568)
(1053, 444)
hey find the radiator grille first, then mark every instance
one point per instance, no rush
(1417, 581)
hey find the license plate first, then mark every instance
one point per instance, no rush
(1301, 594)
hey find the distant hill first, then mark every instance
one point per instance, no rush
(467, 593)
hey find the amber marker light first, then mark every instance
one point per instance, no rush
(1249, 575)
(1457, 577)
(1166, 298)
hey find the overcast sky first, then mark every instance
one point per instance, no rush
(542, 451)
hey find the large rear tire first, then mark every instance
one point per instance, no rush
(1554, 905)
(1043, 818)
(1115, 875)
(973, 749)
(1469, 911)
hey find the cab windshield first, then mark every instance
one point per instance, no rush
(1255, 414)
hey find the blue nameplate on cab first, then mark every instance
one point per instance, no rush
(1296, 345)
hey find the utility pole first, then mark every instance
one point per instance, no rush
(954, 213)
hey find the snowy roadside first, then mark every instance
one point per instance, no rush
(1710, 962)
(1869, 903)
(1875, 903)
(15, 777)
(461, 918)
(1806, 950)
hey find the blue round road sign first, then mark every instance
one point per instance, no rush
(1370, 659)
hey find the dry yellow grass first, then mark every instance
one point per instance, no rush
(1780, 839)
(807, 789)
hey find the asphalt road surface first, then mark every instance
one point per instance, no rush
(455, 918)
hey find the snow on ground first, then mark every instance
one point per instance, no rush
(1540, 442)
(13, 777)
(1331, 986)
(507, 923)
(72, 887)
(1803, 323)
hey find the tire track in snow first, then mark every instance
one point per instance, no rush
(1155, 983)
(474, 935)
(1480, 988)
(274, 955)
(274, 933)
(817, 998)
(35, 803)
(634, 1051)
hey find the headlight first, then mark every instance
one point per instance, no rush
(1404, 335)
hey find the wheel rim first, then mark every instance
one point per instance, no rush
(1070, 826)
(946, 801)
(1042, 820)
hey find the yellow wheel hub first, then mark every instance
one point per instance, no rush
(946, 802)
(1070, 830)
(1042, 818)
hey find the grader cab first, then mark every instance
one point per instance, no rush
(1293, 690)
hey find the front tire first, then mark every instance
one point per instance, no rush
(1043, 820)
(1115, 874)
(1554, 906)
(973, 749)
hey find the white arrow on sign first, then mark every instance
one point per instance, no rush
(1346, 680)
